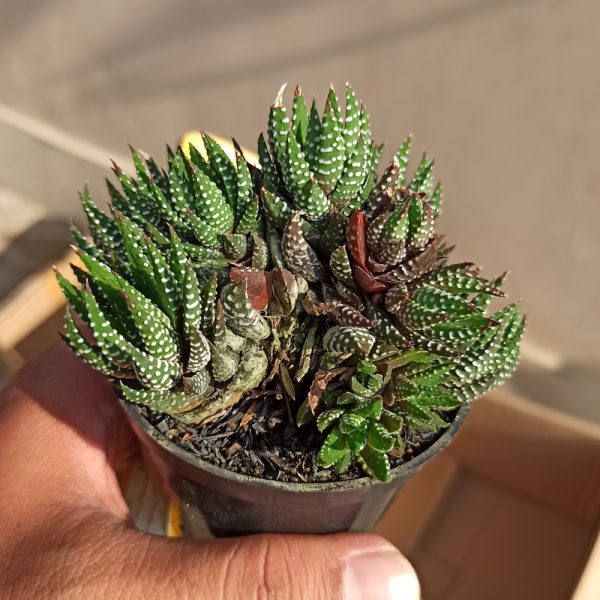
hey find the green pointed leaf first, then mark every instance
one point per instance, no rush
(349, 340)
(271, 178)
(90, 353)
(158, 176)
(364, 124)
(210, 204)
(379, 438)
(391, 421)
(203, 232)
(351, 122)
(209, 298)
(137, 257)
(248, 219)
(111, 343)
(162, 401)
(177, 259)
(224, 168)
(198, 384)
(311, 200)
(460, 279)
(328, 418)
(162, 205)
(340, 266)
(436, 398)
(341, 465)
(334, 449)
(82, 242)
(422, 417)
(349, 422)
(401, 157)
(113, 286)
(201, 163)
(313, 137)
(72, 294)
(167, 292)
(299, 116)
(441, 301)
(335, 107)
(160, 340)
(235, 246)
(245, 194)
(278, 127)
(157, 236)
(296, 171)
(278, 211)
(199, 351)
(375, 463)
(396, 226)
(330, 158)
(423, 178)
(436, 199)
(192, 303)
(137, 193)
(353, 176)
(153, 372)
(104, 231)
(180, 188)
(204, 257)
(260, 253)
(357, 438)
(369, 409)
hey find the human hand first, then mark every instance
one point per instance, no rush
(66, 530)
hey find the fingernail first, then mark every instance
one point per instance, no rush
(380, 576)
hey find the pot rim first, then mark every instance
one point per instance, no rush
(134, 411)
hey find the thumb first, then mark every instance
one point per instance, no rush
(348, 566)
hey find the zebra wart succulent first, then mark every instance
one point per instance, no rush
(308, 279)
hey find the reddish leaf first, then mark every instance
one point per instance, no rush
(285, 289)
(357, 243)
(367, 281)
(258, 284)
(319, 385)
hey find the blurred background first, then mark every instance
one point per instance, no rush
(504, 93)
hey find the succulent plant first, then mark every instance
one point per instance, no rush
(308, 278)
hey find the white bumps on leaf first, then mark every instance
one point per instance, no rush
(252, 369)
(298, 255)
(199, 351)
(354, 340)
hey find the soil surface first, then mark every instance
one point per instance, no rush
(258, 439)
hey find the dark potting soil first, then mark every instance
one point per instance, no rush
(257, 439)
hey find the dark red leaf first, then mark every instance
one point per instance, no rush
(367, 281)
(285, 288)
(357, 242)
(320, 383)
(258, 284)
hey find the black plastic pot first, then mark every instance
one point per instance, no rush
(234, 504)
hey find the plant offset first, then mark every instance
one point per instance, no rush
(311, 280)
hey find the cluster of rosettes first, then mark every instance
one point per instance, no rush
(308, 279)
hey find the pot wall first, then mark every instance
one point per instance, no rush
(234, 504)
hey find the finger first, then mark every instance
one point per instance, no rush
(127, 564)
(63, 434)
